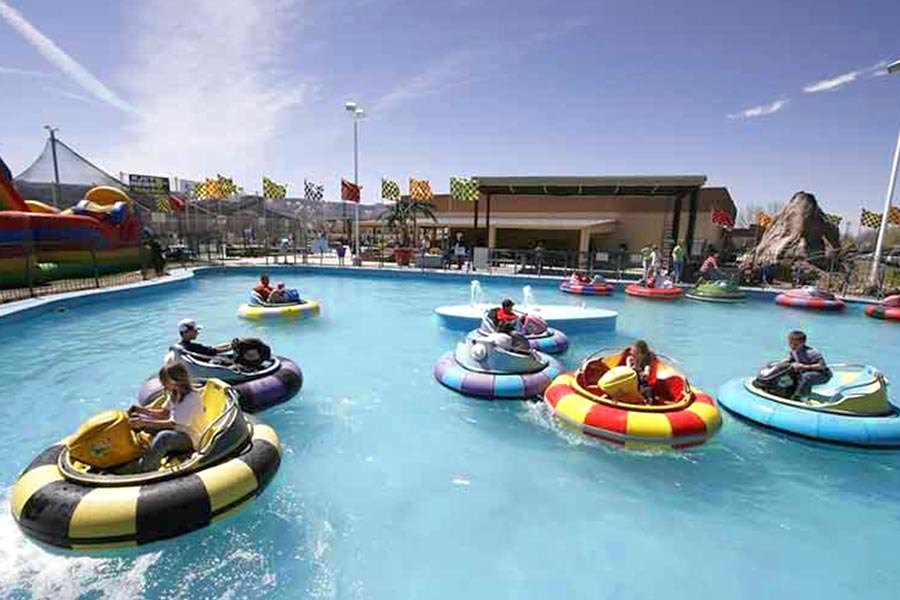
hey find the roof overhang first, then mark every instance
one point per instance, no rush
(608, 185)
(593, 224)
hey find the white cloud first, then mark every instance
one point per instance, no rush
(451, 71)
(24, 72)
(760, 111)
(830, 85)
(59, 59)
(879, 69)
(211, 87)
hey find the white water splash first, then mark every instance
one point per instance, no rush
(528, 298)
(476, 293)
(26, 568)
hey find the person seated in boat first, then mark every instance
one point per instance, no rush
(709, 270)
(263, 289)
(174, 424)
(279, 295)
(188, 330)
(808, 363)
(581, 278)
(504, 318)
(640, 358)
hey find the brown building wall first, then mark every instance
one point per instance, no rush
(639, 220)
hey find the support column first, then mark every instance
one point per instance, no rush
(492, 237)
(676, 217)
(692, 222)
(584, 243)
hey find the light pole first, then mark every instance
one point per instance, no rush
(358, 114)
(894, 67)
(56, 191)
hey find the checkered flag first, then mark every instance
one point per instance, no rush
(162, 204)
(834, 219)
(390, 189)
(894, 216)
(272, 190)
(207, 189)
(313, 191)
(420, 189)
(227, 187)
(764, 220)
(872, 220)
(464, 189)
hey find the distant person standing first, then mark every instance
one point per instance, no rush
(645, 262)
(655, 259)
(677, 262)
(459, 251)
(539, 256)
(157, 259)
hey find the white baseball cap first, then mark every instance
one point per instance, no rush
(186, 324)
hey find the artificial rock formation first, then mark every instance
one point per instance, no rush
(800, 231)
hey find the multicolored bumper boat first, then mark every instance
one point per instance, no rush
(496, 368)
(602, 400)
(810, 297)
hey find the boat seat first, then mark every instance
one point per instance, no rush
(215, 405)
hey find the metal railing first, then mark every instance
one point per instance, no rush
(38, 269)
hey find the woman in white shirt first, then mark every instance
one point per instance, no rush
(176, 422)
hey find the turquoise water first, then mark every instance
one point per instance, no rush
(394, 487)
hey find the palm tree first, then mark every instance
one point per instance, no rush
(400, 213)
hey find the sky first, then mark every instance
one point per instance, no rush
(764, 97)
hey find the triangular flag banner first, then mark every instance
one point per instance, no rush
(420, 189)
(176, 202)
(313, 191)
(390, 189)
(894, 216)
(834, 219)
(162, 204)
(272, 190)
(872, 220)
(464, 189)
(349, 191)
(722, 218)
(764, 220)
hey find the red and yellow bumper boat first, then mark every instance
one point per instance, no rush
(603, 400)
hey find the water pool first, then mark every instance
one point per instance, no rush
(393, 487)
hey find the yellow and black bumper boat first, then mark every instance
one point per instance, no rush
(62, 501)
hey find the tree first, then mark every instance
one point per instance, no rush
(399, 215)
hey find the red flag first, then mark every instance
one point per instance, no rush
(176, 202)
(720, 217)
(349, 191)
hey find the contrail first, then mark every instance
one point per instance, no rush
(62, 61)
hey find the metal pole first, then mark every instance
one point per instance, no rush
(356, 183)
(56, 190)
(873, 276)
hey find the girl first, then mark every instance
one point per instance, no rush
(641, 360)
(176, 422)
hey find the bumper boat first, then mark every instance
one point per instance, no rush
(534, 329)
(661, 293)
(850, 408)
(496, 367)
(596, 287)
(716, 291)
(602, 399)
(887, 309)
(297, 308)
(810, 297)
(78, 494)
(261, 381)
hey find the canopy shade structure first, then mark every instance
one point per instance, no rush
(627, 185)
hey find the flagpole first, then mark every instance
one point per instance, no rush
(873, 277)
